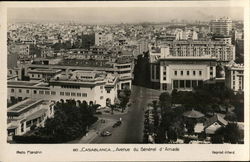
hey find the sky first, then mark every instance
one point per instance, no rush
(97, 15)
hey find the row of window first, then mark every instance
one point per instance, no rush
(70, 86)
(54, 93)
(186, 83)
(34, 91)
(187, 72)
(73, 94)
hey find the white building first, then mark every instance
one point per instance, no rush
(222, 26)
(101, 38)
(219, 49)
(234, 77)
(98, 87)
(27, 113)
(182, 73)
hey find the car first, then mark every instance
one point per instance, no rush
(117, 124)
(106, 133)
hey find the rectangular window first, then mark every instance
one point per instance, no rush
(164, 86)
(67, 94)
(164, 78)
(35, 91)
(47, 92)
(187, 72)
(175, 84)
(73, 94)
(181, 83)
(101, 87)
(200, 82)
(200, 72)
(12, 90)
(181, 72)
(194, 73)
(101, 97)
(27, 91)
(41, 92)
(62, 93)
(188, 83)
(164, 73)
(84, 94)
(53, 93)
(233, 82)
(78, 94)
(108, 91)
(20, 90)
(175, 72)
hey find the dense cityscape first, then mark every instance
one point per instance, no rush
(174, 82)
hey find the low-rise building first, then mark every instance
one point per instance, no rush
(25, 114)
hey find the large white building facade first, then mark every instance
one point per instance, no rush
(182, 73)
(97, 87)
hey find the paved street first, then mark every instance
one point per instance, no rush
(131, 130)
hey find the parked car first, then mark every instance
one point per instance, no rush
(106, 133)
(117, 124)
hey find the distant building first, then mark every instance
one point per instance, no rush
(102, 38)
(42, 74)
(227, 40)
(186, 34)
(234, 77)
(25, 114)
(195, 48)
(222, 26)
(21, 50)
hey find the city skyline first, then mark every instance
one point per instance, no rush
(97, 15)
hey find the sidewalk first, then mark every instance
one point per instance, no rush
(94, 131)
(115, 112)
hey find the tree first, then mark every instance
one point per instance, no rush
(70, 121)
(165, 100)
(217, 139)
(229, 133)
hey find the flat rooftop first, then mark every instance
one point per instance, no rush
(22, 83)
(24, 106)
(187, 58)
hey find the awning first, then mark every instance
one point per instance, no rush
(37, 114)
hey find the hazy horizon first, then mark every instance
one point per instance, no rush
(104, 15)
